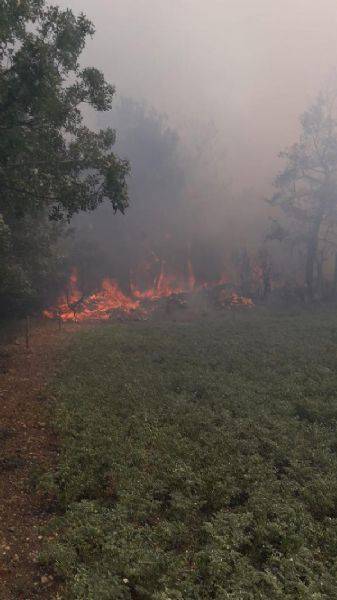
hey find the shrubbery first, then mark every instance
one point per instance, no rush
(199, 461)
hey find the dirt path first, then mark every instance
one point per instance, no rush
(26, 443)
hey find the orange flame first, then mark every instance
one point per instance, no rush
(76, 306)
(99, 305)
(166, 284)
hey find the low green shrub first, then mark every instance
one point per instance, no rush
(199, 460)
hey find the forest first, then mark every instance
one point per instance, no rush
(168, 296)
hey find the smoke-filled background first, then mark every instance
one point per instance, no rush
(208, 93)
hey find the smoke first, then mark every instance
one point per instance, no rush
(157, 221)
(232, 78)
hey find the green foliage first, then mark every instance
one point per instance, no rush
(48, 157)
(199, 460)
(32, 264)
(51, 164)
(14, 285)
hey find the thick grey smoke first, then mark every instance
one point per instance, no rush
(232, 76)
(248, 66)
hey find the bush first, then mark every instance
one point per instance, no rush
(182, 479)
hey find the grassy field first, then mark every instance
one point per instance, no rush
(199, 460)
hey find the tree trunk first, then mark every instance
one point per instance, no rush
(266, 281)
(320, 276)
(335, 277)
(312, 255)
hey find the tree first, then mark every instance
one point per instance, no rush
(307, 187)
(51, 164)
(32, 264)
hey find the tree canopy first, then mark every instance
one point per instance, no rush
(51, 164)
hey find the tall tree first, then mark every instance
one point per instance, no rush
(307, 186)
(50, 162)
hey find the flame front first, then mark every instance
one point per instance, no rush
(78, 306)
(166, 284)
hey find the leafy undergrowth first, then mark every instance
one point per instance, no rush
(199, 460)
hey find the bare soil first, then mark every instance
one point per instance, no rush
(27, 444)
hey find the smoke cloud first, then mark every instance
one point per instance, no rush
(232, 78)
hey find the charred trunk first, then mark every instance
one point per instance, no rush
(335, 277)
(311, 259)
(320, 277)
(266, 282)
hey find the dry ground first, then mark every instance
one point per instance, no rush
(27, 443)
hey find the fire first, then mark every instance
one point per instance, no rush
(166, 284)
(234, 300)
(75, 305)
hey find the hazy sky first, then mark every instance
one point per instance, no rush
(249, 67)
